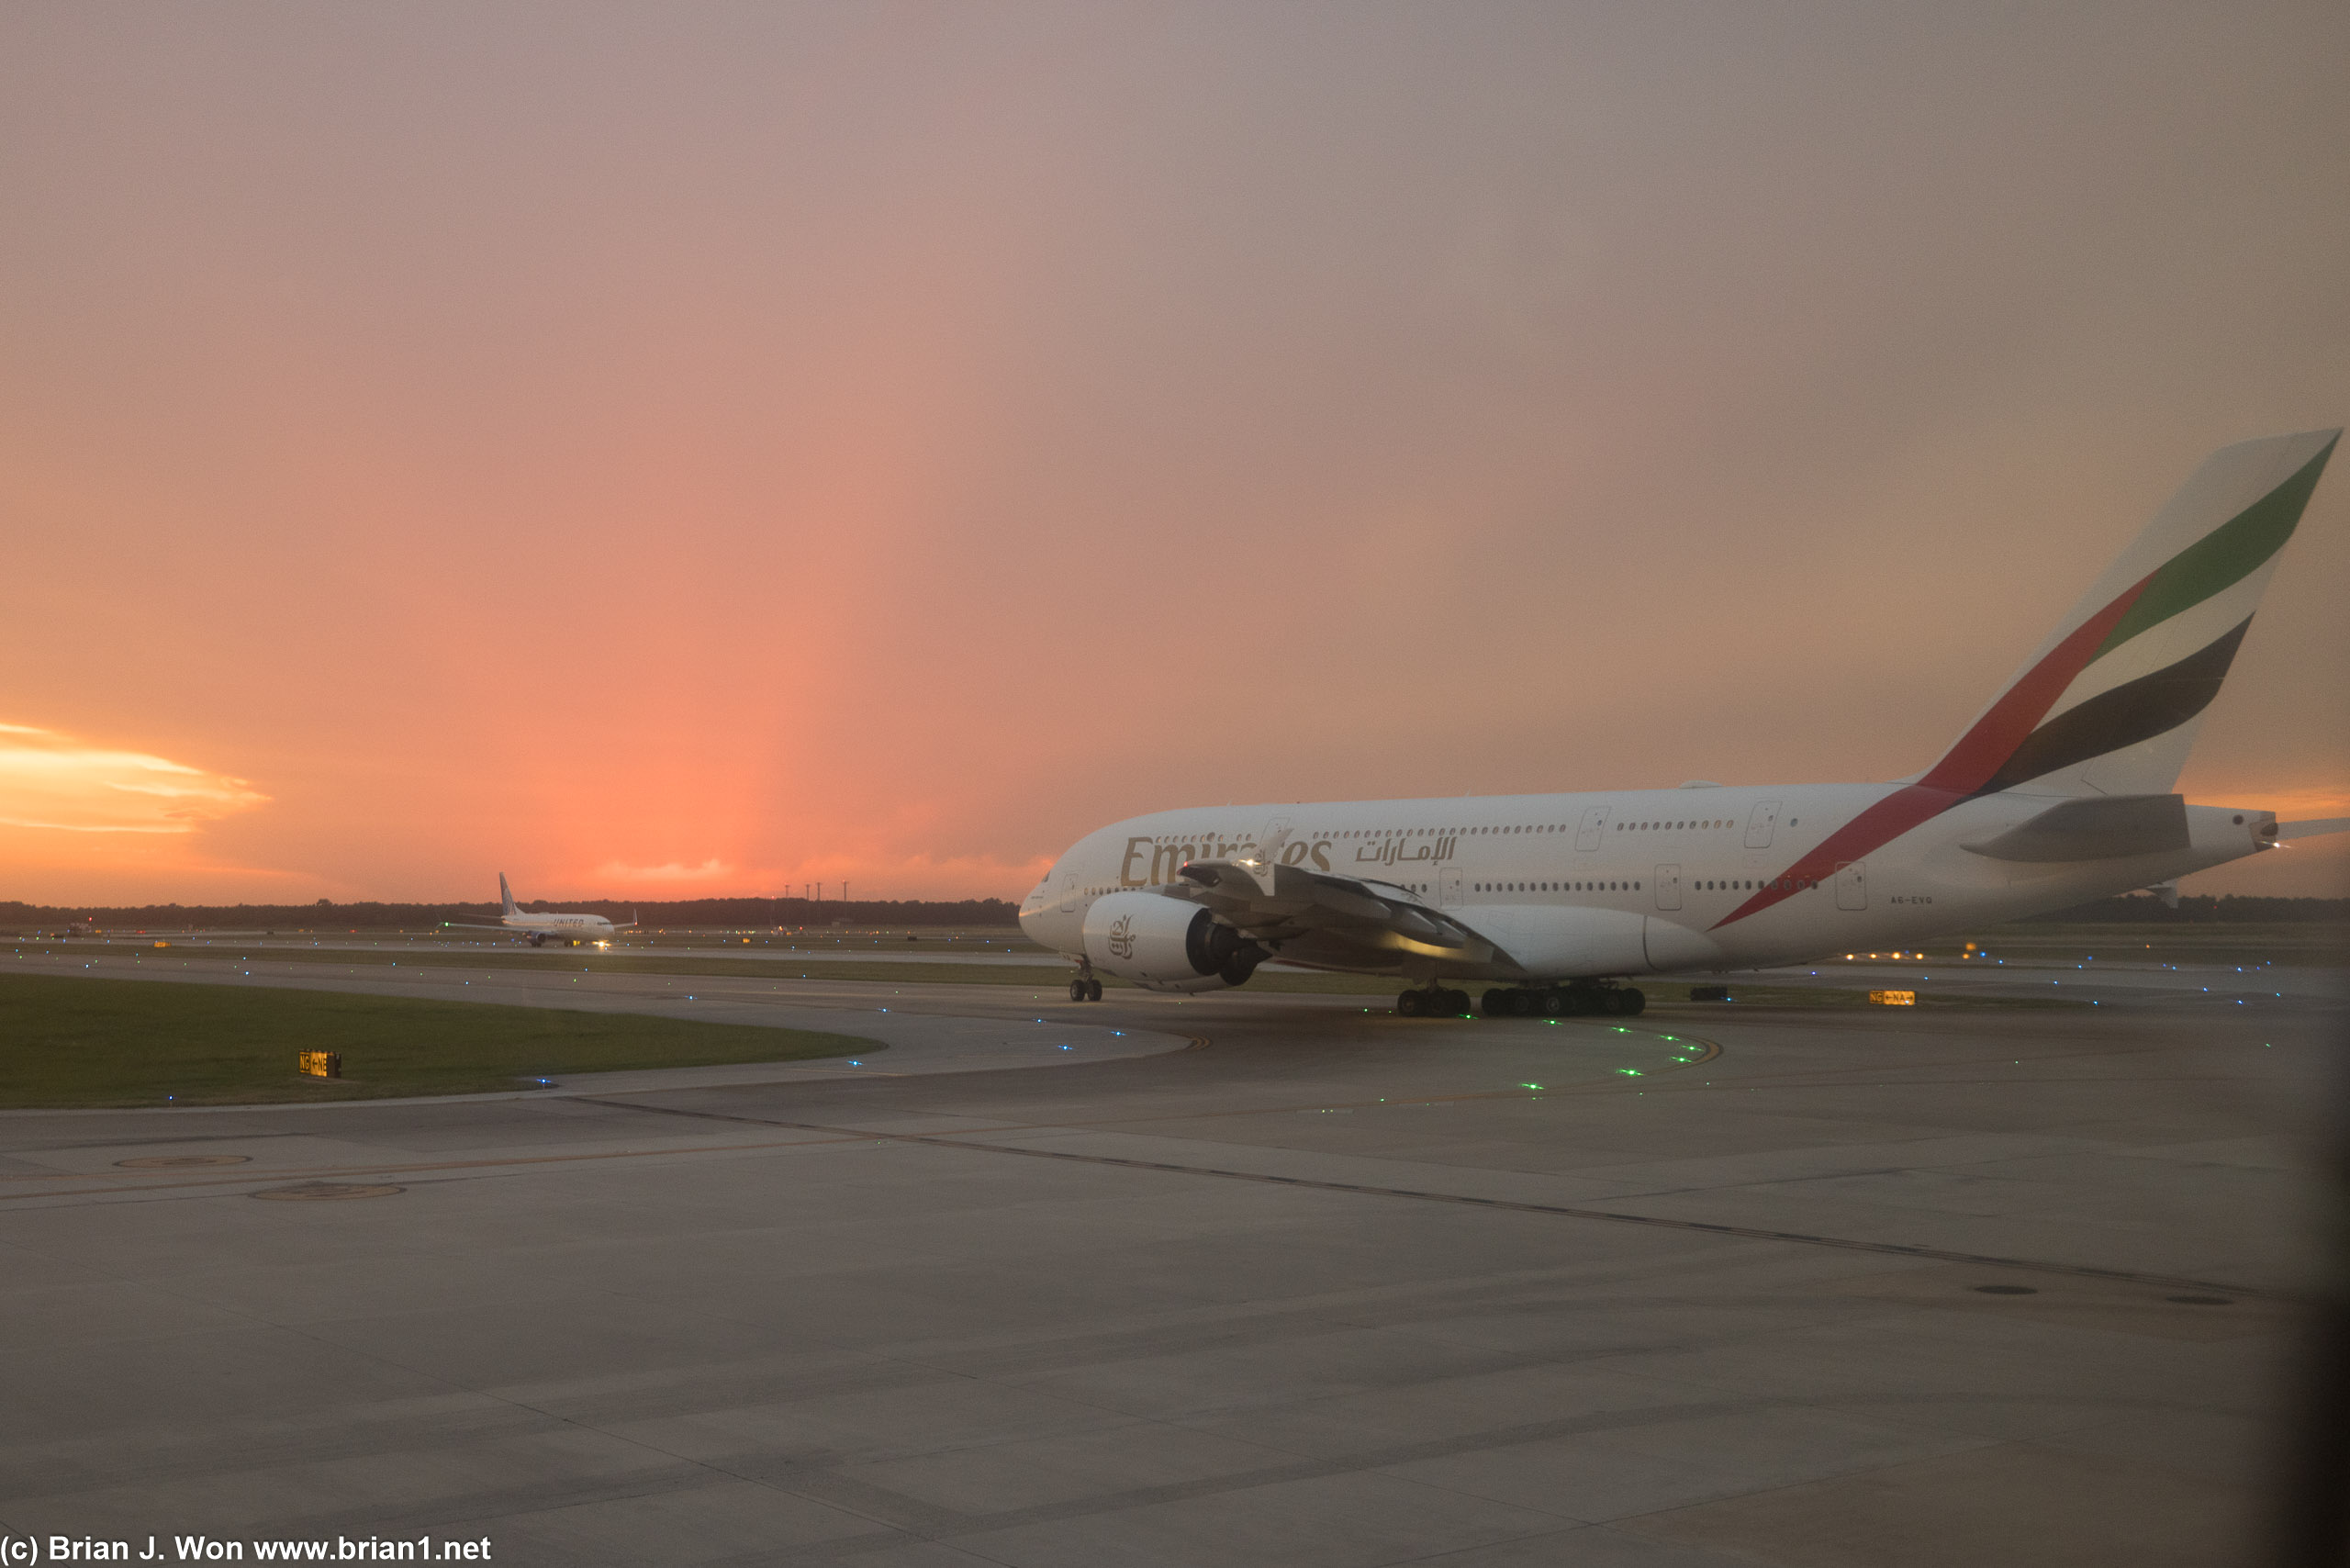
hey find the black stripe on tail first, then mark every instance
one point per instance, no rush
(2135, 710)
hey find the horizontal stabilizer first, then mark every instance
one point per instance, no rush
(2105, 828)
(2314, 828)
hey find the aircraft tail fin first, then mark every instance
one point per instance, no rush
(507, 894)
(2109, 703)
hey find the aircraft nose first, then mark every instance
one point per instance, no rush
(1033, 906)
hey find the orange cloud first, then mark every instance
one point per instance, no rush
(712, 871)
(52, 781)
(870, 873)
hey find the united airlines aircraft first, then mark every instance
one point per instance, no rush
(571, 928)
(2061, 790)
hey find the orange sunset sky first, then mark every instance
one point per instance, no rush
(663, 451)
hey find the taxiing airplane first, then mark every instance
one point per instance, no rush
(572, 928)
(2060, 792)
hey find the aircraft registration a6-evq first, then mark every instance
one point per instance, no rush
(2058, 792)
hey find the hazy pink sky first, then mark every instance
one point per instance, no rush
(660, 449)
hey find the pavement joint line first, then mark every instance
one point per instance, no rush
(1197, 1042)
(247, 1177)
(1565, 1211)
(131, 1180)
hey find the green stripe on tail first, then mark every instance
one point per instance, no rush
(2221, 558)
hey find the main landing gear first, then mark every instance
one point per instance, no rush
(1084, 986)
(1431, 1002)
(1576, 1000)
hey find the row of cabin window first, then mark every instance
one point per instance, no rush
(1784, 884)
(1540, 827)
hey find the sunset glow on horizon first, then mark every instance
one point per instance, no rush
(664, 454)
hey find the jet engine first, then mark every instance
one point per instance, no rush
(1163, 943)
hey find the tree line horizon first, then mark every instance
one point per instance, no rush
(377, 915)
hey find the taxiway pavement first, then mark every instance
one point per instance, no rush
(1720, 1287)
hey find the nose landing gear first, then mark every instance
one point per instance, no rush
(1083, 986)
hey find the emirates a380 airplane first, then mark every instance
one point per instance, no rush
(2060, 792)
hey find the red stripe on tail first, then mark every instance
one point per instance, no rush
(1966, 767)
(1983, 750)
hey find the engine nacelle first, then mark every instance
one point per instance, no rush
(1163, 943)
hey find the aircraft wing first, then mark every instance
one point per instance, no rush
(1273, 904)
(475, 925)
(2313, 829)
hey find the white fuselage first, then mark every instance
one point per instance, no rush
(1638, 881)
(571, 927)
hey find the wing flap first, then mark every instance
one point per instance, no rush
(1270, 903)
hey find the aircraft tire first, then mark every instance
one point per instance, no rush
(1630, 1002)
(1551, 1004)
(1495, 1003)
(1407, 1004)
(1076, 990)
(1093, 991)
(1456, 1002)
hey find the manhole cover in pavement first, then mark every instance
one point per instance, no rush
(180, 1161)
(327, 1191)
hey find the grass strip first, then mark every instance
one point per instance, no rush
(1036, 977)
(107, 1042)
